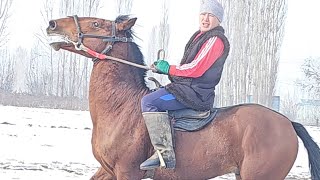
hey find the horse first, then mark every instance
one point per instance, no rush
(249, 140)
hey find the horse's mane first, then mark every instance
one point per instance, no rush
(134, 50)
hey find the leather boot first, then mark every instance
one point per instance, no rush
(158, 125)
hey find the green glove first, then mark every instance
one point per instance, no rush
(162, 66)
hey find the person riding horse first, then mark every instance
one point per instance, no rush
(192, 83)
(249, 140)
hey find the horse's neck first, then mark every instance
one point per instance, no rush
(115, 92)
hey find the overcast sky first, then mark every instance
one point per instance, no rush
(301, 40)
(302, 37)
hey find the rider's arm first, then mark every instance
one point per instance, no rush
(210, 51)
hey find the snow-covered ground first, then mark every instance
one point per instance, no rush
(45, 144)
(52, 144)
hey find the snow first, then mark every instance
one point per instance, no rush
(52, 144)
(45, 144)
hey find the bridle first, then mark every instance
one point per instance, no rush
(112, 39)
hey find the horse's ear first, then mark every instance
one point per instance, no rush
(125, 25)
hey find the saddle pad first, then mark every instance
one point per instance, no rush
(193, 123)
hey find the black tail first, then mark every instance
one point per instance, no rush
(312, 149)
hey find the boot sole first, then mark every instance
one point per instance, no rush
(149, 168)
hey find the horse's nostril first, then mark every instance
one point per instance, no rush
(52, 25)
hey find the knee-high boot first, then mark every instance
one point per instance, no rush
(158, 125)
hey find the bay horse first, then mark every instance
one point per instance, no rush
(249, 140)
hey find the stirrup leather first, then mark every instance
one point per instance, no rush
(162, 163)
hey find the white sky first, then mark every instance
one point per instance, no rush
(56, 144)
(301, 40)
(302, 37)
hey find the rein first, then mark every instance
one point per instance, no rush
(102, 56)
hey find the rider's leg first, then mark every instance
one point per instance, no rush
(154, 107)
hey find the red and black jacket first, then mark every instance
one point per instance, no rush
(193, 81)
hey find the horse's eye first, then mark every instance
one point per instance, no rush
(96, 24)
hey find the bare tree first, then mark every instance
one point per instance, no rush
(159, 39)
(66, 74)
(75, 80)
(309, 113)
(37, 76)
(164, 29)
(290, 107)
(255, 30)
(311, 81)
(124, 6)
(90, 7)
(33, 80)
(46, 52)
(5, 6)
(7, 72)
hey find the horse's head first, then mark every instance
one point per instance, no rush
(93, 33)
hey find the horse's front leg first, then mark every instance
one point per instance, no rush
(102, 174)
(129, 176)
(129, 173)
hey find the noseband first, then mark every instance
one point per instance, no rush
(112, 39)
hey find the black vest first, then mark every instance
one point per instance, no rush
(198, 93)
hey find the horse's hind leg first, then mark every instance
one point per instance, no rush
(266, 167)
(269, 163)
(269, 148)
(251, 170)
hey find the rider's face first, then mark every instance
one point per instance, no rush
(207, 22)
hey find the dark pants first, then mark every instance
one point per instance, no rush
(160, 101)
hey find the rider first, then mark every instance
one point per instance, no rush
(192, 83)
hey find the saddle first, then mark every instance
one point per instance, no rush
(191, 120)
(188, 119)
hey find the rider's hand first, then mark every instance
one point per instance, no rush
(161, 66)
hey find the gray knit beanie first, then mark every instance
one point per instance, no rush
(212, 7)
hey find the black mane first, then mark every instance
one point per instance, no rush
(134, 50)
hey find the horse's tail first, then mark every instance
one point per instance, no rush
(312, 149)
